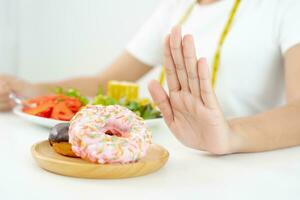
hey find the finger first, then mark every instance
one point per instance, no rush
(190, 60)
(162, 100)
(6, 106)
(4, 88)
(4, 92)
(172, 79)
(177, 55)
(206, 89)
(4, 99)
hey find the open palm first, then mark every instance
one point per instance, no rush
(191, 109)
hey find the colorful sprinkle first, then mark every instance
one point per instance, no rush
(109, 134)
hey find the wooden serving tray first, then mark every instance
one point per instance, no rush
(51, 161)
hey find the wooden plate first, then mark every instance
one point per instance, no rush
(51, 161)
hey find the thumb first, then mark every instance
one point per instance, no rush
(161, 99)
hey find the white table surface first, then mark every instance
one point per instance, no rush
(187, 175)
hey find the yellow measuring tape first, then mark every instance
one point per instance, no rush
(216, 61)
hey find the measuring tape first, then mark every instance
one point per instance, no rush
(217, 55)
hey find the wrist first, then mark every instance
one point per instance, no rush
(236, 140)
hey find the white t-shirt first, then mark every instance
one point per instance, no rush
(251, 71)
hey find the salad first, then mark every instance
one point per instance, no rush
(64, 104)
(61, 106)
(126, 94)
(142, 107)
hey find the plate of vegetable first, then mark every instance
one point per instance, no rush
(50, 110)
(61, 106)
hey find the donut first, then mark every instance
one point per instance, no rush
(109, 134)
(59, 140)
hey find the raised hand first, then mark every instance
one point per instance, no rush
(191, 109)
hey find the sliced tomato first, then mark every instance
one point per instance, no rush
(59, 107)
(73, 104)
(43, 110)
(62, 112)
(42, 99)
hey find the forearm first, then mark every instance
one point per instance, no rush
(125, 67)
(274, 129)
(86, 85)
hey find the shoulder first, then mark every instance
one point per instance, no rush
(275, 2)
(276, 10)
(286, 6)
(279, 5)
(287, 3)
(288, 11)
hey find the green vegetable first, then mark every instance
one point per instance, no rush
(58, 90)
(150, 112)
(72, 93)
(133, 106)
(84, 100)
(100, 90)
(104, 100)
(147, 111)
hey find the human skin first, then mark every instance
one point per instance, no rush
(206, 129)
(88, 85)
(192, 112)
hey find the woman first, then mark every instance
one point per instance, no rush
(255, 63)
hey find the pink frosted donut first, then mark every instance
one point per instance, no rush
(108, 134)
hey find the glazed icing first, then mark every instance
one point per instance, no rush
(109, 134)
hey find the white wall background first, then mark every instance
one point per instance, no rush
(43, 40)
(8, 31)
